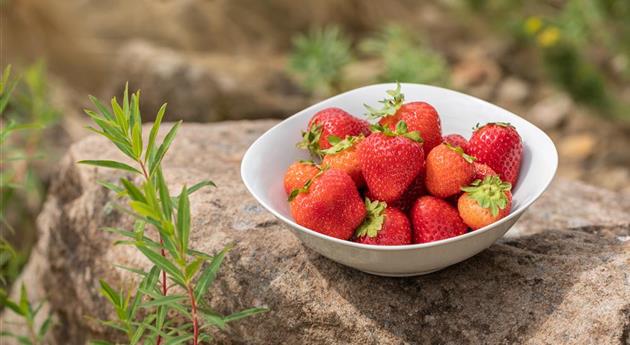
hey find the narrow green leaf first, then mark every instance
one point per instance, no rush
(12, 305)
(213, 318)
(132, 270)
(110, 186)
(110, 164)
(179, 339)
(24, 304)
(193, 267)
(161, 262)
(125, 104)
(161, 317)
(245, 313)
(176, 306)
(118, 113)
(101, 108)
(136, 141)
(168, 139)
(210, 273)
(199, 185)
(154, 131)
(164, 300)
(137, 335)
(43, 330)
(109, 293)
(147, 282)
(165, 196)
(100, 342)
(183, 220)
(144, 209)
(133, 191)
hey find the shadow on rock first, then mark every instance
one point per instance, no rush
(505, 294)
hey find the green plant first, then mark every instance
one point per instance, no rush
(25, 114)
(575, 42)
(11, 260)
(405, 58)
(145, 313)
(24, 308)
(318, 58)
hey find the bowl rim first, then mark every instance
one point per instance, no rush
(247, 157)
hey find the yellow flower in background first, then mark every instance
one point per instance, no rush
(549, 36)
(533, 25)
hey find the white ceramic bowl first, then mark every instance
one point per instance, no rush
(268, 157)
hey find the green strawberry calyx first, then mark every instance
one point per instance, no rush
(308, 183)
(390, 105)
(460, 151)
(338, 144)
(478, 126)
(307, 162)
(401, 130)
(374, 220)
(489, 193)
(310, 140)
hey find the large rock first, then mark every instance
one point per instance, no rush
(206, 86)
(561, 276)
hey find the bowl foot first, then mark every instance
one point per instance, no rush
(400, 275)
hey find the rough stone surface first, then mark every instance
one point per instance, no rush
(561, 276)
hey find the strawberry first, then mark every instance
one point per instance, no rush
(327, 122)
(448, 170)
(483, 170)
(456, 140)
(329, 204)
(434, 219)
(298, 174)
(391, 161)
(419, 116)
(415, 190)
(383, 225)
(343, 155)
(500, 147)
(485, 202)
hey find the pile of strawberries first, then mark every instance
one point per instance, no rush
(400, 181)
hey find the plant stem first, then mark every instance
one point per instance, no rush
(193, 312)
(162, 251)
(31, 332)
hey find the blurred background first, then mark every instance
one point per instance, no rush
(562, 64)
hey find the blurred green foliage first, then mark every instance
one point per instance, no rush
(577, 42)
(581, 46)
(25, 111)
(318, 59)
(405, 57)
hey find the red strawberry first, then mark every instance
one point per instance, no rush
(419, 116)
(298, 174)
(434, 219)
(483, 170)
(485, 202)
(330, 205)
(383, 225)
(448, 170)
(416, 190)
(500, 147)
(327, 122)
(343, 155)
(456, 140)
(391, 161)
